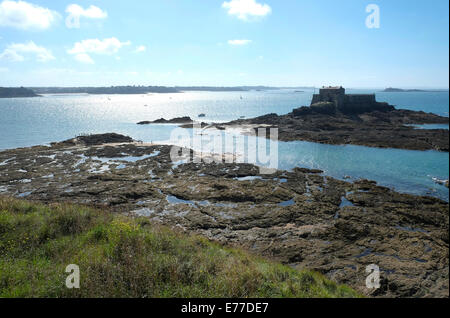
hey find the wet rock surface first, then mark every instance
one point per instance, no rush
(299, 217)
(385, 129)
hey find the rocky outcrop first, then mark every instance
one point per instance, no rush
(324, 123)
(300, 217)
(99, 139)
(178, 120)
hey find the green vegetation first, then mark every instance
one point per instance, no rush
(121, 256)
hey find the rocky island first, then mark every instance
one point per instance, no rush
(401, 90)
(338, 118)
(301, 217)
(179, 120)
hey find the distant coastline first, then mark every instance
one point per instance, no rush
(105, 90)
(13, 92)
(151, 89)
(401, 90)
(134, 89)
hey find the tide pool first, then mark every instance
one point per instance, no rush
(406, 171)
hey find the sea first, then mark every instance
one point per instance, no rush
(27, 122)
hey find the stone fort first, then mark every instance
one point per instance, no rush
(348, 103)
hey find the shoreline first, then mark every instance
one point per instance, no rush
(323, 123)
(248, 129)
(373, 129)
(299, 217)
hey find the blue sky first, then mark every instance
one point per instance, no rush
(224, 43)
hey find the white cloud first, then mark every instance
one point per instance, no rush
(75, 12)
(140, 49)
(239, 42)
(84, 58)
(13, 52)
(106, 46)
(82, 49)
(11, 56)
(26, 16)
(244, 9)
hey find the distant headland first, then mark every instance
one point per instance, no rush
(11, 92)
(401, 90)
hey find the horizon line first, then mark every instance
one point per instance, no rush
(229, 86)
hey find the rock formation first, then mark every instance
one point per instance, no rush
(299, 217)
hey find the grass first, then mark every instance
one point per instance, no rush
(130, 257)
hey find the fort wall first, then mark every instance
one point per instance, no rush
(349, 103)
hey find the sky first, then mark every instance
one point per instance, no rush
(353, 43)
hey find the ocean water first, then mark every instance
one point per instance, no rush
(33, 121)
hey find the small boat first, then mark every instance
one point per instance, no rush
(202, 115)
